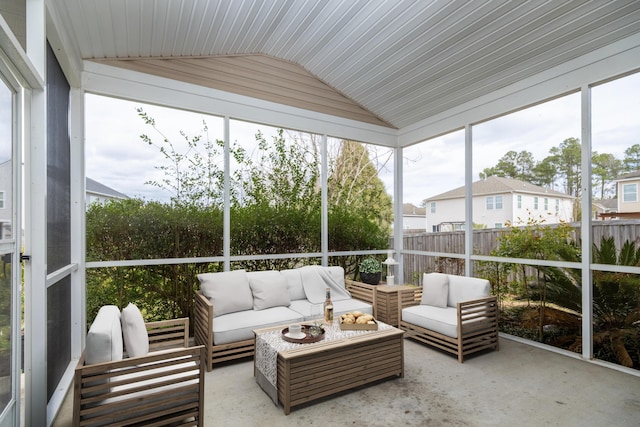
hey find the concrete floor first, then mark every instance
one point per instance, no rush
(520, 385)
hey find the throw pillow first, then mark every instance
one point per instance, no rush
(435, 288)
(269, 289)
(104, 339)
(134, 331)
(228, 291)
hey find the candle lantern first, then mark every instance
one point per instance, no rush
(390, 262)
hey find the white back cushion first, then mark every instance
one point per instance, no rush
(462, 288)
(134, 331)
(228, 291)
(104, 339)
(294, 283)
(269, 289)
(337, 273)
(435, 289)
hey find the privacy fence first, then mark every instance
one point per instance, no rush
(484, 241)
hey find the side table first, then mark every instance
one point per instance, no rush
(386, 303)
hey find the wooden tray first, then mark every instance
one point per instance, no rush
(358, 326)
(307, 339)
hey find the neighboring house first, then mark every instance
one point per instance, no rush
(628, 197)
(603, 208)
(413, 218)
(100, 193)
(496, 202)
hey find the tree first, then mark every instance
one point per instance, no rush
(605, 168)
(354, 182)
(545, 172)
(632, 158)
(513, 165)
(192, 176)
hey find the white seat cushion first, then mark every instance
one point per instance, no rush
(104, 339)
(239, 326)
(442, 320)
(134, 331)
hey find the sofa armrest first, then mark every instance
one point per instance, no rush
(361, 291)
(168, 334)
(203, 322)
(136, 389)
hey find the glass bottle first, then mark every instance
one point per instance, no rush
(328, 308)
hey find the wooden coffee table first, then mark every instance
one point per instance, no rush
(311, 371)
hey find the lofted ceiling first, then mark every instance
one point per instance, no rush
(391, 63)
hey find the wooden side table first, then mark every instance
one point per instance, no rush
(386, 303)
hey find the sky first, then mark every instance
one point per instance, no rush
(117, 157)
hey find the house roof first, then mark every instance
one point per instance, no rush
(499, 185)
(97, 188)
(409, 209)
(631, 175)
(391, 63)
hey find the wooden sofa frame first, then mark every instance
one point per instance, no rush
(477, 325)
(144, 399)
(203, 333)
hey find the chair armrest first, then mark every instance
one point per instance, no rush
(409, 297)
(168, 333)
(361, 291)
(477, 313)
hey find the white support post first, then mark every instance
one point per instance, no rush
(468, 199)
(324, 179)
(398, 245)
(226, 234)
(586, 233)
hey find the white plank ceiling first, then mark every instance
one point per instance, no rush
(392, 62)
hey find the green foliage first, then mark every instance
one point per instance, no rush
(370, 265)
(275, 209)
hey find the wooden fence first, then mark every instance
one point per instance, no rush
(486, 240)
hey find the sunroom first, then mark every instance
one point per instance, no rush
(438, 95)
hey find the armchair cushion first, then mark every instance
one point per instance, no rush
(134, 331)
(269, 289)
(228, 291)
(437, 319)
(463, 288)
(104, 339)
(435, 289)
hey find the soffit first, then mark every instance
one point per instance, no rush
(386, 62)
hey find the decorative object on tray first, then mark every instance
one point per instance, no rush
(308, 338)
(370, 271)
(357, 320)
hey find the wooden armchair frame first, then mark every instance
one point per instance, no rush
(477, 325)
(165, 387)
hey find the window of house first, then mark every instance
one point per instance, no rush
(432, 207)
(557, 205)
(630, 192)
(1, 199)
(489, 203)
(497, 225)
(546, 204)
(519, 201)
(434, 228)
(535, 203)
(498, 202)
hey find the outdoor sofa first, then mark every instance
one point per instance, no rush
(136, 373)
(454, 313)
(231, 305)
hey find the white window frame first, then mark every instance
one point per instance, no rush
(498, 202)
(489, 203)
(626, 195)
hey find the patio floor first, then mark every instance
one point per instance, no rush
(519, 385)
